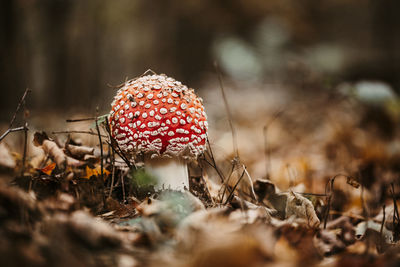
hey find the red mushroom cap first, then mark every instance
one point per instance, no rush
(157, 115)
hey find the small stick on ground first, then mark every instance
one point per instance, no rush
(78, 132)
(25, 148)
(396, 217)
(123, 187)
(234, 188)
(383, 220)
(101, 162)
(113, 172)
(83, 119)
(329, 196)
(267, 150)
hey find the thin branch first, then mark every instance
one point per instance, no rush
(25, 148)
(221, 176)
(82, 119)
(329, 196)
(267, 150)
(234, 136)
(234, 188)
(101, 162)
(22, 128)
(149, 71)
(78, 132)
(113, 172)
(114, 145)
(383, 220)
(123, 187)
(20, 104)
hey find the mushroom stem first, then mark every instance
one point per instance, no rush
(170, 173)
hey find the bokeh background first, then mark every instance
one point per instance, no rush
(70, 52)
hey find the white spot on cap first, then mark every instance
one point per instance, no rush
(151, 113)
(144, 115)
(182, 121)
(155, 102)
(174, 120)
(183, 106)
(149, 96)
(178, 113)
(147, 105)
(171, 133)
(141, 103)
(127, 106)
(130, 115)
(140, 95)
(133, 104)
(163, 110)
(122, 120)
(137, 113)
(138, 122)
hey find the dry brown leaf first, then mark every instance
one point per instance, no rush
(301, 208)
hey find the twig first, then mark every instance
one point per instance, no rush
(123, 187)
(329, 196)
(311, 194)
(234, 137)
(250, 182)
(148, 71)
(225, 183)
(383, 220)
(83, 119)
(113, 172)
(221, 176)
(234, 188)
(267, 150)
(20, 104)
(25, 148)
(22, 128)
(396, 217)
(101, 162)
(115, 145)
(78, 132)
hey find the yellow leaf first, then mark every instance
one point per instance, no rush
(95, 172)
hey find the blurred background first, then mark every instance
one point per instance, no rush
(70, 52)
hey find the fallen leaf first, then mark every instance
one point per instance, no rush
(48, 169)
(95, 172)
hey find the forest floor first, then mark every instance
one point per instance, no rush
(305, 177)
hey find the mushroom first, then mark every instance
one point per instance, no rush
(163, 120)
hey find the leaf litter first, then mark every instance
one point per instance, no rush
(308, 189)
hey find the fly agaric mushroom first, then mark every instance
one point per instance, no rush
(164, 120)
